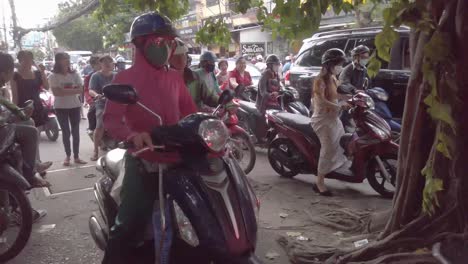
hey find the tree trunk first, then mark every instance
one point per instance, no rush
(16, 37)
(421, 146)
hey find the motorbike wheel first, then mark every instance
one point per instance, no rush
(52, 130)
(20, 215)
(375, 178)
(285, 146)
(240, 146)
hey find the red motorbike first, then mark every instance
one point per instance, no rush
(51, 126)
(296, 149)
(239, 144)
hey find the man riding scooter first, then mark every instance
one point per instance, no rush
(164, 92)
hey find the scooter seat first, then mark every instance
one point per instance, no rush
(300, 123)
(249, 107)
(113, 162)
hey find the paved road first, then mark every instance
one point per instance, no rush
(63, 235)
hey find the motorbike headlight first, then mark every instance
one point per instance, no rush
(370, 103)
(295, 94)
(186, 231)
(379, 132)
(382, 96)
(214, 133)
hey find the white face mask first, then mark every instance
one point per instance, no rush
(275, 68)
(337, 69)
(364, 62)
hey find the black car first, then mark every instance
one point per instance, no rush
(393, 76)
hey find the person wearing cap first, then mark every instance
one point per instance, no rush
(201, 94)
(97, 82)
(354, 76)
(206, 71)
(164, 92)
(325, 119)
(260, 64)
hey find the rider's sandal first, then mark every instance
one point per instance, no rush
(325, 193)
(44, 166)
(39, 182)
(80, 161)
(95, 156)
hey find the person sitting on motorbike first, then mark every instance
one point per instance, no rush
(223, 75)
(25, 135)
(206, 71)
(163, 91)
(201, 94)
(325, 119)
(354, 75)
(239, 78)
(269, 85)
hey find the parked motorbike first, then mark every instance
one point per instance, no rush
(380, 97)
(211, 206)
(16, 216)
(51, 127)
(239, 142)
(255, 123)
(296, 149)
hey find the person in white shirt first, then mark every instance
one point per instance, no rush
(66, 86)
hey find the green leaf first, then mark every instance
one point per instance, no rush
(374, 66)
(438, 49)
(384, 42)
(431, 187)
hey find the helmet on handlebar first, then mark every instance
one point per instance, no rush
(334, 56)
(152, 23)
(272, 59)
(361, 49)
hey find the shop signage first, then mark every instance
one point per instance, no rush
(253, 49)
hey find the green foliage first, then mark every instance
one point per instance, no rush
(214, 32)
(431, 187)
(38, 54)
(172, 9)
(83, 33)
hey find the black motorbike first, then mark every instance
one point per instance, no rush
(255, 123)
(16, 215)
(212, 207)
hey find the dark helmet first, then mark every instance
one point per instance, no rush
(333, 55)
(360, 50)
(272, 59)
(152, 23)
(208, 56)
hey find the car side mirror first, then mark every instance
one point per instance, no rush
(121, 93)
(226, 97)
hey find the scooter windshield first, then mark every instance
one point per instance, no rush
(7, 137)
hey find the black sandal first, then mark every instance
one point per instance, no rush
(325, 193)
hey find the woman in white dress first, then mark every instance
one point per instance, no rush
(325, 119)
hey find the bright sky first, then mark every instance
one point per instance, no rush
(30, 13)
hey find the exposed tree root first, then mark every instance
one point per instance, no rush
(343, 220)
(306, 253)
(403, 258)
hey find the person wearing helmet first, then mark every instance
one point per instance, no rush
(269, 85)
(120, 64)
(260, 64)
(206, 71)
(287, 65)
(325, 119)
(354, 76)
(201, 94)
(163, 91)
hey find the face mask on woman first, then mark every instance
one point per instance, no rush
(364, 62)
(337, 69)
(157, 51)
(209, 67)
(276, 68)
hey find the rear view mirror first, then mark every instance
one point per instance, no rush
(226, 96)
(120, 93)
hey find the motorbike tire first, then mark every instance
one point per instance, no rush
(275, 164)
(52, 130)
(26, 224)
(371, 170)
(250, 148)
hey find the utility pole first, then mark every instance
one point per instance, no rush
(16, 33)
(4, 24)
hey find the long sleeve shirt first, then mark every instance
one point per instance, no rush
(163, 91)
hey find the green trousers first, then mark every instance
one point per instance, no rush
(138, 193)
